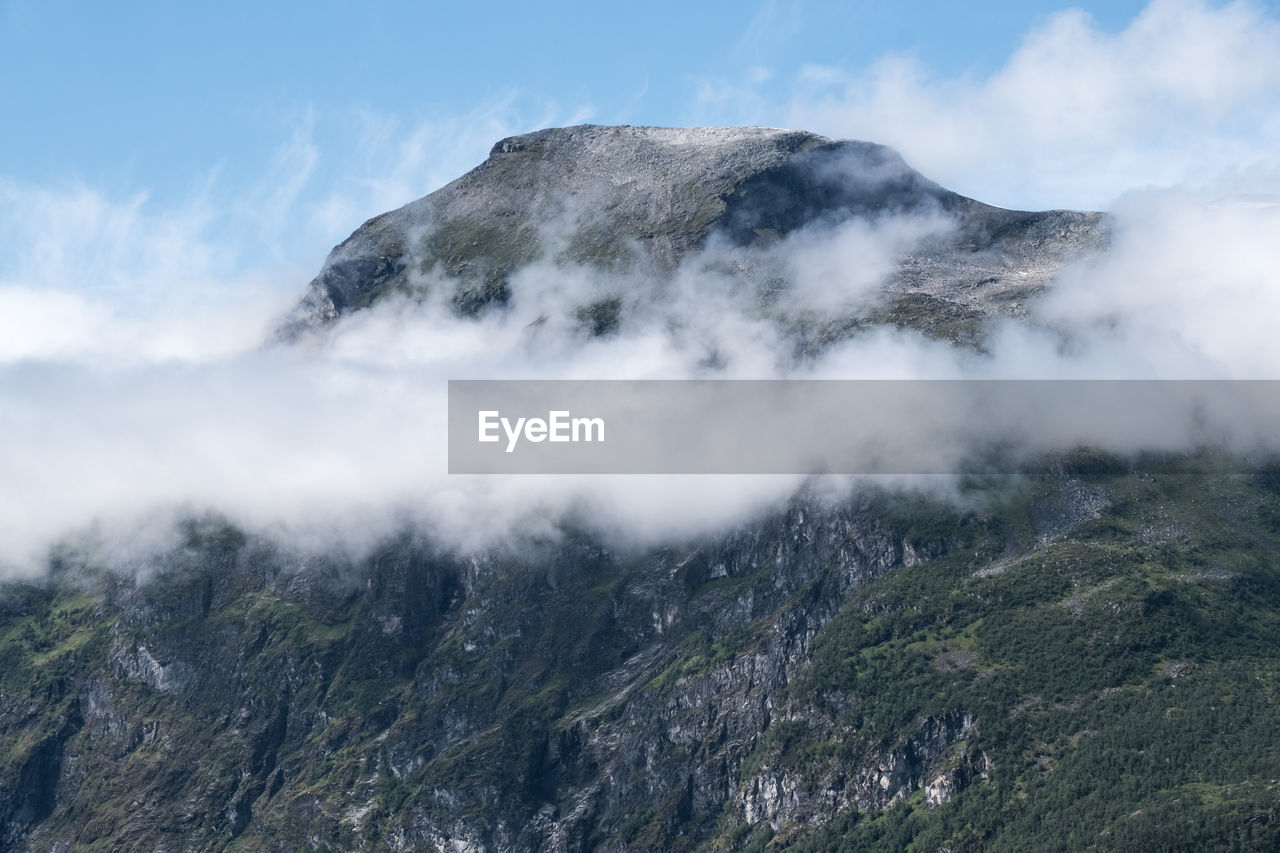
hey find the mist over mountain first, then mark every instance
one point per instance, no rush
(264, 617)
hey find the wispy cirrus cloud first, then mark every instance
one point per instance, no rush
(84, 272)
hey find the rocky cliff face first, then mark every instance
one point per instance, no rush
(1084, 659)
(857, 674)
(573, 699)
(542, 702)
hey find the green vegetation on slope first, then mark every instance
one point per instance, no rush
(1123, 679)
(1111, 643)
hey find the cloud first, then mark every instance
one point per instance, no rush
(133, 385)
(84, 276)
(1187, 290)
(340, 442)
(87, 275)
(1187, 94)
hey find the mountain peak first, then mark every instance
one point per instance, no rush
(600, 136)
(614, 197)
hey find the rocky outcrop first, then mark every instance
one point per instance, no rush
(935, 757)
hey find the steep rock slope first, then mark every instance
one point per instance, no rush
(1087, 662)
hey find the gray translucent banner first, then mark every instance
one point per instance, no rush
(843, 426)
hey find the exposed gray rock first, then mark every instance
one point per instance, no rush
(620, 198)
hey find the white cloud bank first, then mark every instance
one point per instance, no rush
(1187, 94)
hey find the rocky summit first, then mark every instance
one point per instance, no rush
(619, 198)
(1085, 659)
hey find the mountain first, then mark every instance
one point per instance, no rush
(619, 198)
(1082, 659)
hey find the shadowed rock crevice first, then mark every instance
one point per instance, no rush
(34, 791)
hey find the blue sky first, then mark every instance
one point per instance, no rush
(154, 95)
